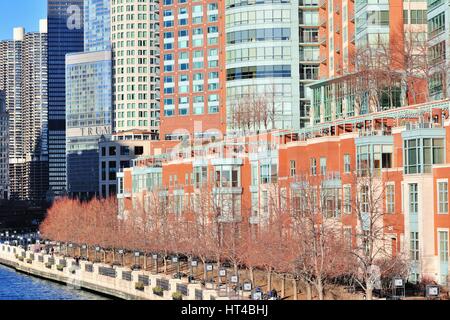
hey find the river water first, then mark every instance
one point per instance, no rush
(17, 286)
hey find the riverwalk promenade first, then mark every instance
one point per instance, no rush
(119, 282)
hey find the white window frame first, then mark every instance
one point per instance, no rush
(438, 194)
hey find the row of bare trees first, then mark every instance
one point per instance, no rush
(298, 238)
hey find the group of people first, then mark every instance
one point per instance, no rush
(270, 295)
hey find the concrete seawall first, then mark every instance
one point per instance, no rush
(119, 282)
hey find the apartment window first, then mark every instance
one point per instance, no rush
(443, 246)
(138, 151)
(112, 171)
(414, 246)
(112, 151)
(125, 151)
(323, 166)
(443, 196)
(413, 198)
(313, 165)
(347, 199)
(346, 163)
(254, 175)
(436, 25)
(390, 198)
(293, 168)
(269, 173)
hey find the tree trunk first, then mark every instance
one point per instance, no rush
(283, 286)
(319, 287)
(145, 261)
(87, 253)
(369, 291)
(236, 269)
(269, 280)
(252, 276)
(308, 291)
(294, 285)
(113, 256)
(165, 265)
(204, 272)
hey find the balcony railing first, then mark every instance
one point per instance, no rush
(422, 125)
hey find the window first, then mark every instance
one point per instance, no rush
(414, 246)
(413, 198)
(226, 177)
(112, 151)
(443, 196)
(269, 173)
(443, 246)
(390, 198)
(323, 166)
(313, 165)
(254, 175)
(125, 151)
(347, 199)
(293, 168)
(112, 171)
(138, 151)
(346, 163)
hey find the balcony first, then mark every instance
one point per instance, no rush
(307, 5)
(309, 40)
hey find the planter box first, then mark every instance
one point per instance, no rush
(139, 286)
(60, 267)
(158, 292)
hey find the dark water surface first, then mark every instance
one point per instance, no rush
(17, 286)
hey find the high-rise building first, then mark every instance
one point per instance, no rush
(263, 73)
(11, 84)
(65, 35)
(89, 117)
(309, 54)
(193, 74)
(439, 47)
(135, 51)
(24, 81)
(88, 101)
(366, 57)
(97, 25)
(4, 160)
(35, 112)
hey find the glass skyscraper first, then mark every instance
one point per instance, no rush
(65, 35)
(98, 25)
(88, 101)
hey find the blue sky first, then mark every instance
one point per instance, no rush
(20, 13)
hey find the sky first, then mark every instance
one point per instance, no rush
(20, 13)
